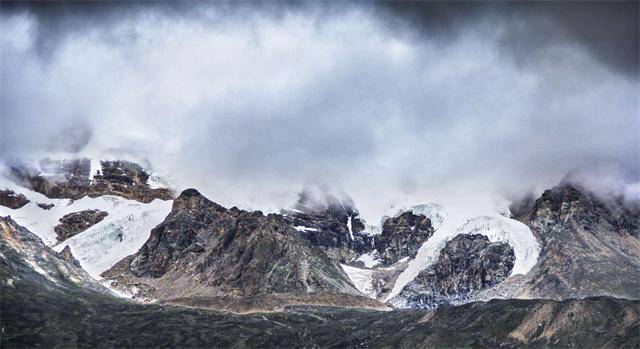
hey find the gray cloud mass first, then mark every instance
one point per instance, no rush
(253, 102)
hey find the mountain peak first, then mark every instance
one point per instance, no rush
(192, 199)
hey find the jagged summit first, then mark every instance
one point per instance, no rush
(191, 199)
(189, 193)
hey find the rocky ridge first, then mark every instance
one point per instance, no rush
(47, 301)
(332, 225)
(71, 179)
(25, 258)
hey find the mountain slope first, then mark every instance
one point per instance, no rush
(204, 249)
(591, 245)
(58, 307)
(331, 224)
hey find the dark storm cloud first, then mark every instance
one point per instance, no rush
(252, 102)
(608, 29)
(57, 20)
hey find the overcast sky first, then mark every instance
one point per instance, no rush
(250, 103)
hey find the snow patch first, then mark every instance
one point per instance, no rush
(303, 228)
(362, 279)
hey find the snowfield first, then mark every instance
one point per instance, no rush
(120, 234)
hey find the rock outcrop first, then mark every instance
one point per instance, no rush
(45, 206)
(13, 200)
(66, 255)
(467, 263)
(70, 179)
(126, 179)
(590, 244)
(402, 237)
(332, 225)
(77, 222)
(59, 179)
(204, 249)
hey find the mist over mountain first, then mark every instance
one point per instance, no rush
(251, 103)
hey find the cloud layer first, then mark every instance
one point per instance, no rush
(253, 104)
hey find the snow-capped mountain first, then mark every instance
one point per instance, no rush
(112, 218)
(120, 226)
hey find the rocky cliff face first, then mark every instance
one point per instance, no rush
(590, 244)
(77, 222)
(70, 179)
(204, 249)
(334, 226)
(402, 237)
(10, 199)
(467, 263)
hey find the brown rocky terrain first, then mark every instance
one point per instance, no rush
(77, 222)
(13, 200)
(70, 179)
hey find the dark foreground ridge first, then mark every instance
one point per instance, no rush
(49, 302)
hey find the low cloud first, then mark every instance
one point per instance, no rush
(251, 107)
